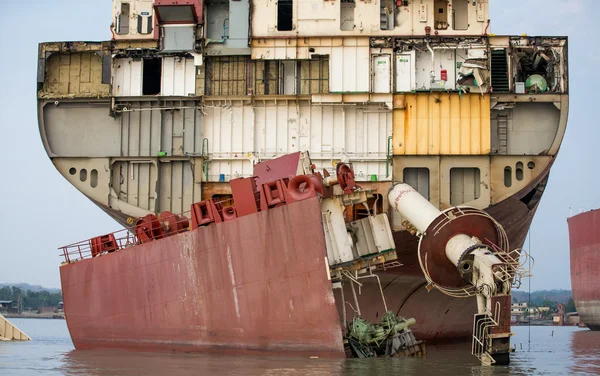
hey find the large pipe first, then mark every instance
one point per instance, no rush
(447, 234)
(412, 206)
(415, 208)
(432, 72)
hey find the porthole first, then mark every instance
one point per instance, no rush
(94, 178)
(519, 171)
(507, 176)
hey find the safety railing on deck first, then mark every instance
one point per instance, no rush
(110, 242)
(152, 227)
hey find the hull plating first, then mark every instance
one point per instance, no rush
(258, 283)
(584, 241)
(439, 317)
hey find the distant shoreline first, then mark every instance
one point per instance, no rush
(54, 316)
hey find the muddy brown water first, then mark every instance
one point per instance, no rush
(547, 351)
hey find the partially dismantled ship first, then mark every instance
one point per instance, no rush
(255, 149)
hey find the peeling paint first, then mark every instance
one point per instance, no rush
(232, 276)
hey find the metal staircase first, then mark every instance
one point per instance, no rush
(500, 81)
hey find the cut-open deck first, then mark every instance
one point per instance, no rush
(9, 332)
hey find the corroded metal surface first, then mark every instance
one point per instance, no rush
(584, 241)
(258, 283)
(439, 317)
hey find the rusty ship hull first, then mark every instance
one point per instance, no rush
(584, 242)
(257, 284)
(189, 97)
(442, 317)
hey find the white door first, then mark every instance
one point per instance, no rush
(381, 74)
(288, 77)
(404, 73)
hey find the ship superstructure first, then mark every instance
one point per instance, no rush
(190, 95)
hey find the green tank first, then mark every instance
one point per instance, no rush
(536, 84)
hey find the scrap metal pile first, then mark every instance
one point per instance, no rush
(390, 337)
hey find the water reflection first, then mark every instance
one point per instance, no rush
(585, 345)
(552, 351)
(442, 360)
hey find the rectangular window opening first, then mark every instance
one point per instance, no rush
(288, 75)
(314, 75)
(123, 19)
(460, 13)
(266, 77)
(226, 75)
(217, 20)
(151, 76)
(440, 17)
(285, 15)
(387, 15)
(359, 211)
(347, 15)
(465, 185)
(418, 178)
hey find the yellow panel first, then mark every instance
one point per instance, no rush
(74, 74)
(441, 123)
(78, 74)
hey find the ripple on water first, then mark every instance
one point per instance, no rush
(540, 351)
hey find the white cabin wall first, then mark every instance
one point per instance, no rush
(240, 134)
(322, 18)
(178, 76)
(229, 130)
(127, 77)
(141, 17)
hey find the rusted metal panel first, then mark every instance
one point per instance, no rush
(258, 283)
(77, 74)
(584, 242)
(501, 307)
(439, 317)
(282, 167)
(244, 195)
(442, 123)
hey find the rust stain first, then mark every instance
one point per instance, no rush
(217, 303)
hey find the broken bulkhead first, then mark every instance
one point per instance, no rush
(462, 251)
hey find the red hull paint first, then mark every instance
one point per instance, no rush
(584, 242)
(258, 283)
(115, 301)
(439, 317)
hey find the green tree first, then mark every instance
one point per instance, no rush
(570, 306)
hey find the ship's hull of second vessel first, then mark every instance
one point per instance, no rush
(584, 240)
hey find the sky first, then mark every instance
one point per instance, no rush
(41, 210)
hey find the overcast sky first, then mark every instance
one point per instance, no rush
(41, 211)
